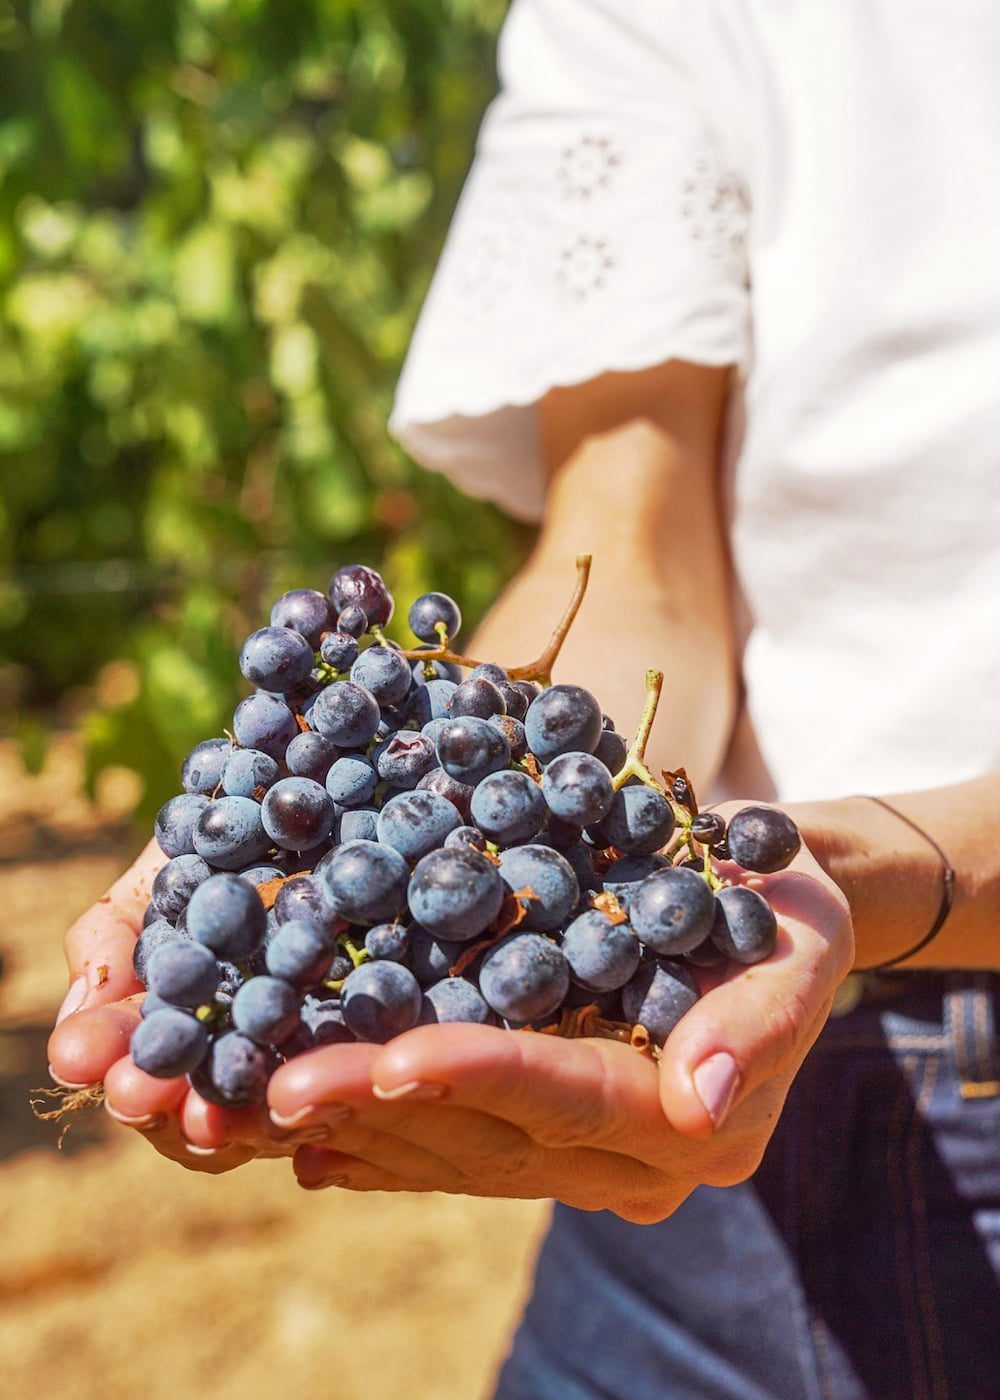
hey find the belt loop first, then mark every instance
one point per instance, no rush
(970, 1023)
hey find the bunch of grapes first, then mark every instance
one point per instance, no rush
(392, 837)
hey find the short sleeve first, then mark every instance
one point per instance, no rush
(602, 227)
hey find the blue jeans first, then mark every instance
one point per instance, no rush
(861, 1261)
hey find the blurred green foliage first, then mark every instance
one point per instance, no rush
(217, 222)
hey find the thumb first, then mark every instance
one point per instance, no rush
(762, 1021)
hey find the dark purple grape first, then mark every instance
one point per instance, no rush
(623, 877)
(384, 673)
(355, 585)
(458, 794)
(478, 697)
(429, 700)
(744, 926)
(276, 659)
(469, 749)
(415, 823)
(601, 955)
(176, 821)
(405, 758)
(431, 611)
(367, 882)
(226, 914)
(466, 836)
(307, 899)
(639, 822)
(234, 1072)
(352, 621)
(339, 650)
(550, 876)
(352, 781)
(357, 824)
(324, 1020)
(257, 875)
(508, 807)
(176, 882)
(658, 996)
(230, 833)
(705, 955)
(529, 689)
(380, 1000)
(431, 958)
(266, 1009)
(168, 1043)
(263, 722)
(247, 771)
(454, 999)
(388, 941)
(300, 952)
(455, 893)
(612, 750)
(672, 911)
(762, 839)
(346, 714)
(708, 828)
(202, 769)
(153, 936)
(310, 756)
(297, 814)
(524, 978)
(564, 719)
(305, 611)
(577, 788)
(183, 973)
(513, 731)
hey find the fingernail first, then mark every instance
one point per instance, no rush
(65, 1083)
(73, 999)
(324, 1183)
(146, 1121)
(329, 1112)
(716, 1080)
(204, 1151)
(414, 1090)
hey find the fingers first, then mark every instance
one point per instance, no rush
(337, 1076)
(83, 1048)
(561, 1093)
(100, 944)
(137, 1099)
(316, 1169)
(763, 1020)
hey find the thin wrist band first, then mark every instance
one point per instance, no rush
(947, 889)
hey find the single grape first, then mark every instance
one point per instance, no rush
(763, 839)
(432, 610)
(353, 621)
(708, 828)
(339, 650)
(602, 956)
(431, 958)
(153, 936)
(623, 876)
(515, 700)
(638, 822)
(310, 756)
(429, 700)
(202, 769)
(454, 999)
(469, 749)
(168, 1043)
(234, 1072)
(231, 979)
(524, 978)
(658, 996)
(300, 952)
(582, 863)
(297, 814)
(357, 824)
(176, 882)
(406, 758)
(744, 926)
(248, 770)
(305, 611)
(151, 1002)
(415, 823)
(508, 807)
(478, 697)
(257, 875)
(276, 659)
(388, 941)
(183, 973)
(681, 790)
(513, 731)
(550, 876)
(305, 898)
(226, 914)
(530, 690)
(263, 722)
(352, 781)
(564, 719)
(150, 914)
(355, 585)
(612, 751)
(455, 893)
(380, 1000)
(346, 714)
(367, 882)
(176, 821)
(266, 1009)
(466, 836)
(577, 788)
(324, 1020)
(458, 794)
(230, 833)
(384, 673)
(672, 911)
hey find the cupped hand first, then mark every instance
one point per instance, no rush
(89, 1044)
(593, 1123)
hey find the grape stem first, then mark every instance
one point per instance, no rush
(635, 760)
(540, 670)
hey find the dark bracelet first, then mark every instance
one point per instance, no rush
(947, 889)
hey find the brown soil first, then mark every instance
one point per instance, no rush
(122, 1275)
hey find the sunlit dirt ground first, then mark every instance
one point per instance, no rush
(123, 1275)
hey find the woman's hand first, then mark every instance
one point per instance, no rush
(91, 1038)
(487, 1112)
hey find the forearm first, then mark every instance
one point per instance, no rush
(892, 877)
(658, 594)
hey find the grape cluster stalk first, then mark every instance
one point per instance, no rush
(392, 837)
